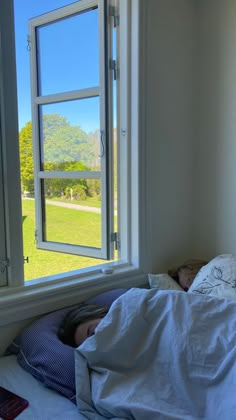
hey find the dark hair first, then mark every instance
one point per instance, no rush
(75, 317)
(193, 265)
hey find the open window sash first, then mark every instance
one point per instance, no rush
(3, 257)
(69, 161)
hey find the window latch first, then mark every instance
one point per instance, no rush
(113, 13)
(3, 265)
(115, 239)
(28, 43)
(113, 66)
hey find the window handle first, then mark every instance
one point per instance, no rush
(102, 134)
(3, 265)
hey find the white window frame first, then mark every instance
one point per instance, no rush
(11, 192)
(107, 246)
(41, 295)
(3, 257)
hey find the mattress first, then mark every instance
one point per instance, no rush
(44, 403)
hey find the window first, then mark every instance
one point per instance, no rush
(84, 138)
(3, 262)
(70, 161)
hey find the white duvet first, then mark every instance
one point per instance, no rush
(160, 355)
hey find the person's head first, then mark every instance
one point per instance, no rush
(186, 273)
(80, 323)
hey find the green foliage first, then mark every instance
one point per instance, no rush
(94, 189)
(62, 143)
(64, 148)
(26, 158)
(77, 192)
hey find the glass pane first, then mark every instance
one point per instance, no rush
(70, 136)
(73, 211)
(68, 52)
(44, 263)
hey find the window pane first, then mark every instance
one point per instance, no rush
(64, 72)
(44, 263)
(68, 51)
(70, 136)
(73, 216)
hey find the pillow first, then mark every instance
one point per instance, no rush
(163, 282)
(217, 278)
(40, 351)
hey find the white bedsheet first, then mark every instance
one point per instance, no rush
(44, 403)
(160, 355)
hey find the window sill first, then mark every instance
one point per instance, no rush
(34, 298)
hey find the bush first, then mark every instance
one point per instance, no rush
(77, 192)
(93, 188)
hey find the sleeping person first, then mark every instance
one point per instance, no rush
(80, 323)
(160, 355)
(186, 273)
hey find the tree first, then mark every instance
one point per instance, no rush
(64, 148)
(65, 143)
(26, 158)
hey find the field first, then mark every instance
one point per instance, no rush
(65, 225)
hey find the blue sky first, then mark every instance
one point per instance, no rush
(69, 60)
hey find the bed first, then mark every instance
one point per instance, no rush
(40, 368)
(45, 403)
(159, 353)
(171, 359)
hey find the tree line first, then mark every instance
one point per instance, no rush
(62, 147)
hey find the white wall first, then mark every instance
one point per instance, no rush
(190, 129)
(167, 66)
(214, 224)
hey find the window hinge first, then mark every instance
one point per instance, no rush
(3, 265)
(26, 260)
(114, 67)
(113, 12)
(28, 43)
(36, 236)
(115, 238)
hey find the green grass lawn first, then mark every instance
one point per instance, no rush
(73, 226)
(64, 225)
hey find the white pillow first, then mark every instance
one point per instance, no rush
(163, 282)
(217, 278)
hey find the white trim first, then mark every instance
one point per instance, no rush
(110, 130)
(3, 256)
(64, 248)
(28, 302)
(35, 126)
(70, 175)
(52, 290)
(139, 61)
(42, 242)
(135, 155)
(124, 127)
(103, 131)
(9, 138)
(68, 96)
(62, 12)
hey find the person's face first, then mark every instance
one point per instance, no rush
(86, 329)
(186, 277)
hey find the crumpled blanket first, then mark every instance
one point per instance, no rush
(160, 355)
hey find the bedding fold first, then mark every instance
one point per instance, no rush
(160, 355)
